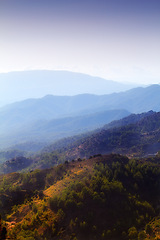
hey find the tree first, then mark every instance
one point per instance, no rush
(132, 233)
(3, 230)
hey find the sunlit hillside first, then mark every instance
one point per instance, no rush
(104, 197)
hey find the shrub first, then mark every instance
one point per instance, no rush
(132, 233)
(141, 235)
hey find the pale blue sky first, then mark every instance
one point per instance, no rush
(114, 39)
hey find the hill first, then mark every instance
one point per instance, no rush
(67, 142)
(32, 135)
(105, 197)
(137, 134)
(140, 139)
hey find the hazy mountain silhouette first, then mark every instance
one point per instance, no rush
(114, 126)
(136, 100)
(136, 134)
(59, 116)
(16, 132)
(16, 86)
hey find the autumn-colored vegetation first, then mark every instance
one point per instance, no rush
(104, 197)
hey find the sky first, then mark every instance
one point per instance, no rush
(114, 39)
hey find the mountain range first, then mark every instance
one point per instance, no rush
(17, 86)
(18, 130)
(137, 135)
(53, 117)
(70, 188)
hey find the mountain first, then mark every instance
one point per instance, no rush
(117, 124)
(16, 86)
(137, 135)
(136, 101)
(41, 118)
(40, 132)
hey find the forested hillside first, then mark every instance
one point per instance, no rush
(73, 191)
(137, 135)
(104, 197)
(101, 197)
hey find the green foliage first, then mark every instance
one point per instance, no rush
(132, 233)
(117, 199)
(142, 235)
(109, 196)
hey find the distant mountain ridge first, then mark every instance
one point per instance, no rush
(41, 118)
(117, 126)
(17, 86)
(141, 137)
(136, 100)
(135, 135)
(43, 131)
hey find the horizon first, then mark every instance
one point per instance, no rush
(136, 83)
(115, 40)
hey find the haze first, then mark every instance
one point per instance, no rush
(113, 39)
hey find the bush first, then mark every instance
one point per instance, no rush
(142, 235)
(148, 229)
(132, 233)
(53, 203)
